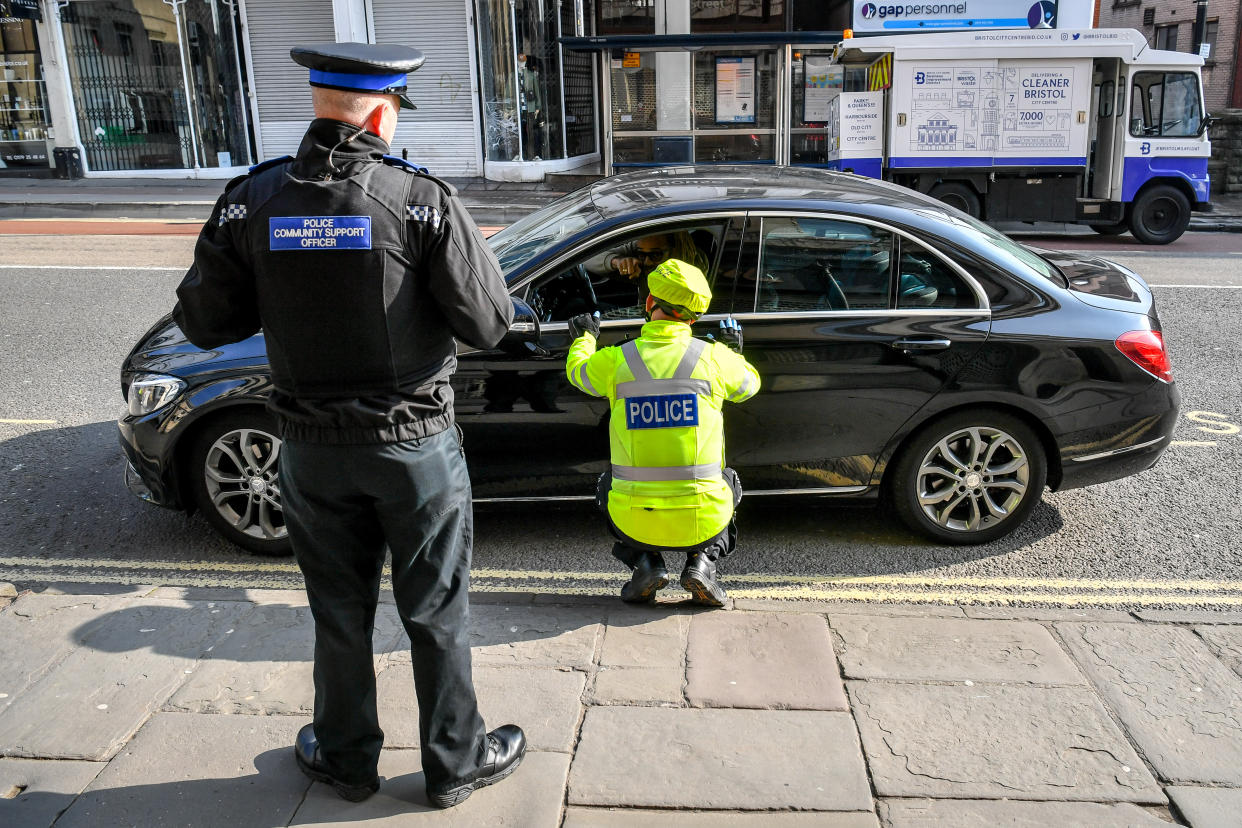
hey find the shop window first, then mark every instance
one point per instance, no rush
(737, 15)
(924, 280)
(813, 264)
(137, 108)
(1165, 104)
(25, 125)
(625, 16)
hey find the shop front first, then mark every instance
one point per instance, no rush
(25, 122)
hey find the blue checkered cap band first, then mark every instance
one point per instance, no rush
(423, 212)
(232, 212)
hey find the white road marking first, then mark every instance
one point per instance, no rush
(1205, 287)
(27, 422)
(90, 267)
(1192, 442)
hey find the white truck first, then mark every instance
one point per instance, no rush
(1090, 126)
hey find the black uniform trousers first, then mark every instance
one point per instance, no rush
(342, 503)
(629, 551)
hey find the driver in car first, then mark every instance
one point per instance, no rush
(626, 268)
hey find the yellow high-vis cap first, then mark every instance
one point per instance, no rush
(682, 284)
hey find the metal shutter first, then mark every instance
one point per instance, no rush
(283, 95)
(443, 134)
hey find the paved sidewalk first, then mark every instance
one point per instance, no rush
(489, 202)
(174, 706)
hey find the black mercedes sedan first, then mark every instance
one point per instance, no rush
(907, 351)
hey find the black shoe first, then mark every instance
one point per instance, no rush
(306, 751)
(649, 577)
(699, 579)
(506, 745)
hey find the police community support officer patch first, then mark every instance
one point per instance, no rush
(319, 233)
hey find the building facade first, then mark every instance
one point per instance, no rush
(1170, 24)
(511, 90)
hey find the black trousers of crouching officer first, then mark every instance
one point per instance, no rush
(342, 503)
(630, 551)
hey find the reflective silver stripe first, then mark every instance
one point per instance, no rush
(655, 387)
(747, 387)
(584, 382)
(694, 351)
(705, 471)
(635, 361)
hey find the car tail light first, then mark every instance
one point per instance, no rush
(1146, 350)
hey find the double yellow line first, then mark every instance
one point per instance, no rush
(876, 589)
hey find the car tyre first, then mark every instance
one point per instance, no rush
(961, 196)
(1159, 215)
(233, 476)
(1110, 229)
(969, 477)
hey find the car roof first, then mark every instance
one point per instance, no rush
(759, 186)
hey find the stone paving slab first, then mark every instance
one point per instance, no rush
(47, 787)
(54, 622)
(1190, 616)
(285, 597)
(1176, 700)
(996, 742)
(934, 649)
(762, 660)
(982, 813)
(1208, 807)
(1049, 614)
(7, 590)
(545, 702)
(644, 640)
(639, 686)
(530, 798)
(847, 608)
(1226, 643)
(185, 768)
(640, 818)
(657, 757)
(534, 636)
(265, 667)
(131, 660)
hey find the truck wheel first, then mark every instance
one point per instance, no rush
(1110, 229)
(1159, 215)
(960, 196)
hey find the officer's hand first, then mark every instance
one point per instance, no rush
(584, 323)
(731, 333)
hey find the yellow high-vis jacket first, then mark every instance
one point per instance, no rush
(666, 432)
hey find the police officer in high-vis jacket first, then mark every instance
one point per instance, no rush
(668, 489)
(364, 272)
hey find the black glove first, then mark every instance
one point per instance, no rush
(584, 323)
(731, 333)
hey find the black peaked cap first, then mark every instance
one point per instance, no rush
(358, 58)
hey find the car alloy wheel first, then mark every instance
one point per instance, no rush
(236, 462)
(970, 478)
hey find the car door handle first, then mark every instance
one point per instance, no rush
(919, 344)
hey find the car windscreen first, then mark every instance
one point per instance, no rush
(543, 228)
(1015, 255)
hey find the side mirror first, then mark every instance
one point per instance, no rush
(523, 336)
(1205, 125)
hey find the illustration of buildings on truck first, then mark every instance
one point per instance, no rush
(1092, 127)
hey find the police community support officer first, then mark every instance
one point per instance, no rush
(361, 270)
(668, 488)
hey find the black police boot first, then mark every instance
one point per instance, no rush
(306, 752)
(506, 745)
(699, 579)
(649, 577)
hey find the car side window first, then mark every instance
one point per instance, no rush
(926, 281)
(612, 278)
(813, 264)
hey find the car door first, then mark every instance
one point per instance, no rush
(855, 326)
(528, 432)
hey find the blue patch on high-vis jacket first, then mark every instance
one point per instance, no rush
(662, 411)
(319, 233)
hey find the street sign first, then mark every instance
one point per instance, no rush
(1205, 50)
(632, 60)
